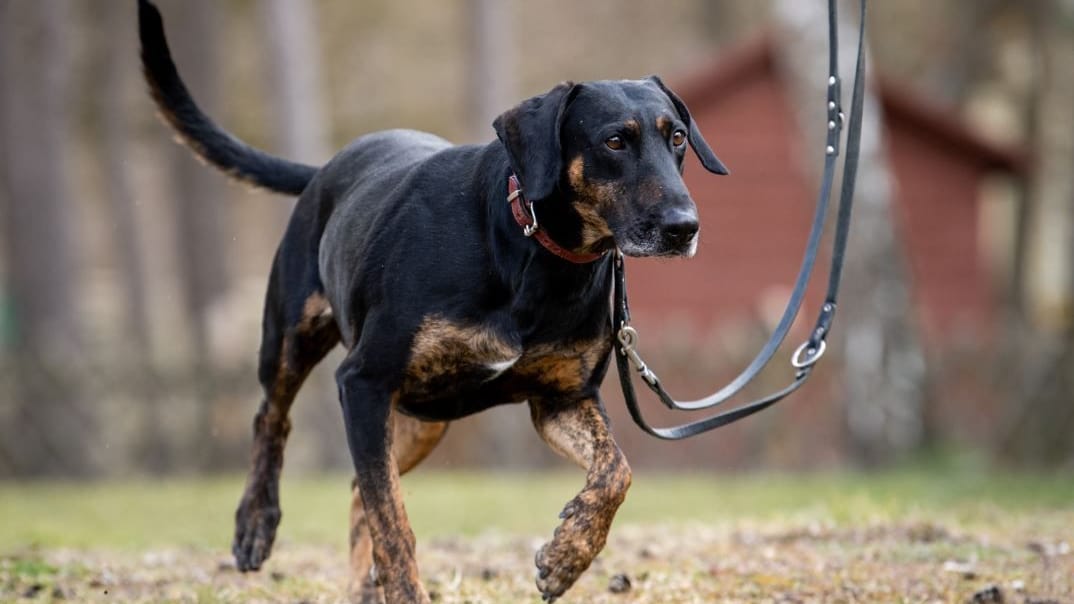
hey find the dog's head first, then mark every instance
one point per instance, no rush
(614, 151)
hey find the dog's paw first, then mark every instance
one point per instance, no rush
(255, 530)
(572, 549)
(559, 565)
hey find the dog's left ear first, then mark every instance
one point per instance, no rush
(531, 134)
(697, 142)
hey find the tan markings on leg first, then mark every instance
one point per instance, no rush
(412, 441)
(315, 312)
(393, 539)
(590, 200)
(259, 513)
(580, 433)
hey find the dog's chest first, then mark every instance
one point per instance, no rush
(448, 359)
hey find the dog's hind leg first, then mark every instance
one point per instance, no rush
(580, 433)
(412, 441)
(297, 333)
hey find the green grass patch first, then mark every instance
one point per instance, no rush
(198, 512)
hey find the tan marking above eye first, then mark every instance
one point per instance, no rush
(678, 138)
(663, 124)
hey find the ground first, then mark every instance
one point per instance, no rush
(907, 536)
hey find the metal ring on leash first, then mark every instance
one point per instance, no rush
(813, 352)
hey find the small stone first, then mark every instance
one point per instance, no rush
(33, 590)
(989, 595)
(434, 596)
(488, 574)
(277, 576)
(962, 568)
(619, 584)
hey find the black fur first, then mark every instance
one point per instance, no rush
(401, 230)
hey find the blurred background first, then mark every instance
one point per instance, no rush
(131, 277)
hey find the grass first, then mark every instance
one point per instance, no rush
(198, 511)
(817, 537)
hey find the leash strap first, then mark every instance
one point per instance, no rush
(806, 356)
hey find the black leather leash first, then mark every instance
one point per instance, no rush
(806, 356)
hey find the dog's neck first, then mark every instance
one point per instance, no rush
(519, 255)
(525, 216)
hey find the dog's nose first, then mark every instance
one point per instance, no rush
(679, 226)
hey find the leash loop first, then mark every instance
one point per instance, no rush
(812, 351)
(805, 357)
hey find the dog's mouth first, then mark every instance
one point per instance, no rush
(652, 243)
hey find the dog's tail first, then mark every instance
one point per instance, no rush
(207, 140)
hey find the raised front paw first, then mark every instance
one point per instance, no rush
(255, 530)
(572, 549)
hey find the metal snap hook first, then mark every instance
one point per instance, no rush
(530, 229)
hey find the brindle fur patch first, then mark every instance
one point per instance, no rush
(563, 368)
(412, 441)
(441, 348)
(580, 433)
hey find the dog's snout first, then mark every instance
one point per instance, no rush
(679, 226)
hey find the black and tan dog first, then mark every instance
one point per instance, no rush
(406, 250)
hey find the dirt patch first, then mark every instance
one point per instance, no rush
(920, 562)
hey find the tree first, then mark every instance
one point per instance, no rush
(883, 372)
(47, 428)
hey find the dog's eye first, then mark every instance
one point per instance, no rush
(678, 138)
(615, 143)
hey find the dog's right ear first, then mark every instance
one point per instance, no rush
(531, 134)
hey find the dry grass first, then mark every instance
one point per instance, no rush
(906, 537)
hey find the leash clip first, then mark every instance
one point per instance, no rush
(628, 340)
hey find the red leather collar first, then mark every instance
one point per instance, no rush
(524, 215)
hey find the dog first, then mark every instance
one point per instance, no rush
(457, 278)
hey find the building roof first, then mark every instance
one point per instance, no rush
(757, 58)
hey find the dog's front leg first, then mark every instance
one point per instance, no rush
(579, 432)
(367, 415)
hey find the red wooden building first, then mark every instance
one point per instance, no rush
(755, 222)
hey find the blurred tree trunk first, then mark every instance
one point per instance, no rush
(294, 61)
(201, 213)
(48, 430)
(115, 26)
(117, 62)
(200, 210)
(1042, 413)
(883, 369)
(491, 61)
